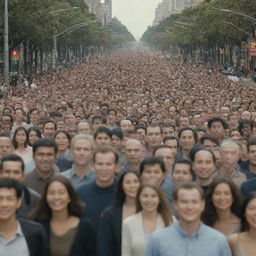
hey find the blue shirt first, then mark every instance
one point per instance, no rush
(174, 241)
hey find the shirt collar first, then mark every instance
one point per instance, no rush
(184, 234)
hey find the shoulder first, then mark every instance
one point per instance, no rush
(33, 193)
(134, 219)
(30, 174)
(30, 226)
(86, 186)
(211, 233)
(85, 226)
(67, 173)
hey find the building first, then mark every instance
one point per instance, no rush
(102, 10)
(168, 7)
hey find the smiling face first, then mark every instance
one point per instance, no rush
(149, 200)
(250, 213)
(222, 197)
(57, 197)
(130, 185)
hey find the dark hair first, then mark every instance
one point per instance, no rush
(13, 158)
(98, 117)
(105, 150)
(159, 147)
(209, 137)
(55, 114)
(120, 195)
(12, 184)
(33, 110)
(64, 132)
(210, 215)
(8, 116)
(242, 122)
(188, 186)
(244, 223)
(166, 138)
(217, 119)
(188, 129)
(195, 149)
(45, 143)
(251, 143)
(50, 121)
(14, 142)
(118, 133)
(151, 160)
(183, 161)
(102, 130)
(154, 126)
(162, 208)
(36, 130)
(4, 135)
(42, 212)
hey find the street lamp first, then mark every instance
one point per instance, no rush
(6, 45)
(69, 29)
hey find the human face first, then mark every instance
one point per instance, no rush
(20, 137)
(222, 197)
(33, 137)
(44, 158)
(126, 125)
(82, 152)
(173, 144)
(130, 185)
(167, 156)
(250, 213)
(152, 171)
(105, 167)
(34, 116)
(214, 148)
(57, 197)
(168, 131)
(189, 205)
(102, 139)
(9, 203)
(154, 136)
(252, 155)
(181, 173)
(217, 130)
(62, 142)
(19, 116)
(6, 123)
(149, 200)
(184, 122)
(203, 165)
(133, 152)
(49, 130)
(84, 128)
(12, 169)
(116, 142)
(235, 135)
(61, 125)
(5, 146)
(187, 140)
(141, 135)
(230, 155)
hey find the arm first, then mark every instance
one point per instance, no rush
(232, 241)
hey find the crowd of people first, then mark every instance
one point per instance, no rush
(129, 154)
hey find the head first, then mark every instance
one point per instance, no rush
(133, 151)
(217, 127)
(98, 121)
(150, 198)
(189, 202)
(20, 137)
(117, 138)
(105, 163)
(58, 189)
(187, 137)
(245, 127)
(33, 135)
(44, 154)
(173, 143)
(49, 129)
(152, 168)
(62, 139)
(230, 153)
(84, 127)
(102, 136)
(6, 146)
(182, 171)
(126, 125)
(10, 198)
(127, 186)
(252, 152)
(154, 136)
(82, 149)
(222, 195)
(166, 154)
(12, 166)
(248, 211)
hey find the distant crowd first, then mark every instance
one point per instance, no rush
(129, 154)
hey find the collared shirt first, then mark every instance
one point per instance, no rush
(16, 246)
(75, 179)
(36, 182)
(173, 241)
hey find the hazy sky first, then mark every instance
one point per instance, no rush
(136, 15)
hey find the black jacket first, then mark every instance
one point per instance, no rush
(84, 243)
(35, 237)
(110, 232)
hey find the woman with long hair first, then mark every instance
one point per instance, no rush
(222, 209)
(33, 135)
(21, 144)
(152, 214)
(110, 228)
(60, 212)
(64, 159)
(244, 243)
